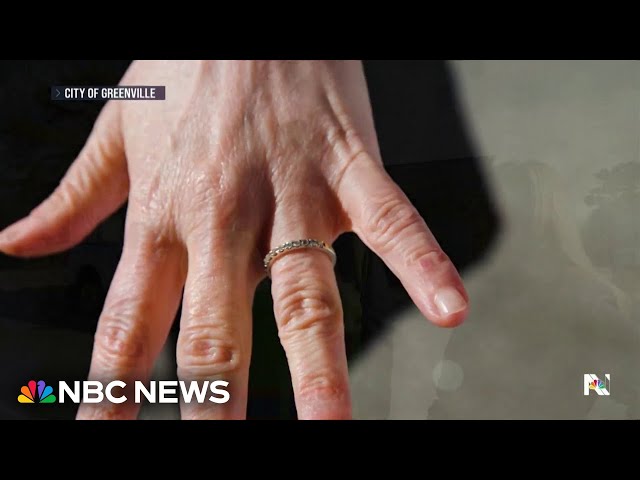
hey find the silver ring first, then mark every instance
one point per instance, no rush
(297, 245)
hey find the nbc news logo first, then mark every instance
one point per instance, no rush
(593, 384)
(93, 391)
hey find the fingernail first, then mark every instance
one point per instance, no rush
(449, 300)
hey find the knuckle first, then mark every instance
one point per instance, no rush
(431, 260)
(303, 307)
(324, 385)
(83, 177)
(156, 244)
(67, 195)
(151, 200)
(389, 218)
(209, 185)
(120, 340)
(215, 182)
(102, 157)
(213, 201)
(208, 351)
(154, 227)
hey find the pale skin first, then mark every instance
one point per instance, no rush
(241, 157)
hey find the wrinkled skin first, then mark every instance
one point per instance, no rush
(242, 156)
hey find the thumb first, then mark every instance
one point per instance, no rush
(96, 184)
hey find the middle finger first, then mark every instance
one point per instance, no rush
(215, 330)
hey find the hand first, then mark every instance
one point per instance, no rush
(241, 157)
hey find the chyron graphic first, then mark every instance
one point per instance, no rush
(44, 393)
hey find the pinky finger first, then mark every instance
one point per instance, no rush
(386, 221)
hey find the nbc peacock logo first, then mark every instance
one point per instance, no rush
(36, 392)
(592, 383)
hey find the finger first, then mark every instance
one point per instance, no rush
(138, 313)
(95, 186)
(308, 311)
(214, 343)
(386, 221)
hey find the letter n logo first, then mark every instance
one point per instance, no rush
(593, 384)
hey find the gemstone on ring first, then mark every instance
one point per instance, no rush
(297, 245)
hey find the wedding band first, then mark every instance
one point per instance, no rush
(297, 245)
